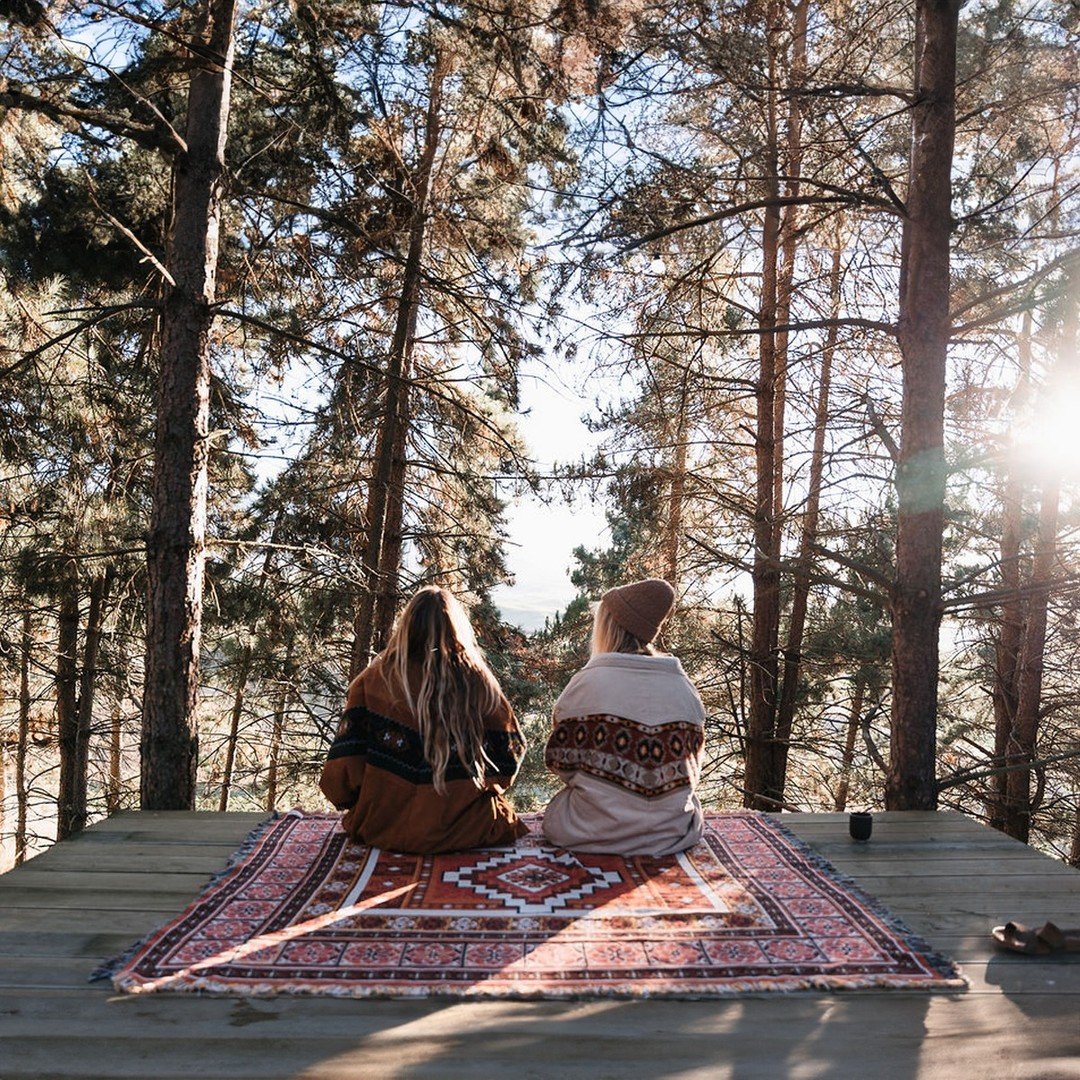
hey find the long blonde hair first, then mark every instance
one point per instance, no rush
(609, 636)
(457, 689)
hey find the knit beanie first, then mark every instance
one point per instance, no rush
(640, 607)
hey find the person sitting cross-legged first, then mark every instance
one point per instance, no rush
(428, 743)
(627, 737)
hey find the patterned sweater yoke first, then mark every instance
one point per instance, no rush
(627, 739)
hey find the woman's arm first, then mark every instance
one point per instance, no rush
(343, 771)
(505, 745)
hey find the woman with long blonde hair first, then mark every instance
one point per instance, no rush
(428, 743)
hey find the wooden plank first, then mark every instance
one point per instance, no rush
(50, 972)
(98, 881)
(134, 923)
(1057, 890)
(896, 823)
(203, 820)
(73, 899)
(69, 941)
(204, 861)
(941, 849)
(1020, 871)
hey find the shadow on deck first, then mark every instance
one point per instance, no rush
(948, 877)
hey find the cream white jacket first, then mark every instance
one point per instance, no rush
(627, 738)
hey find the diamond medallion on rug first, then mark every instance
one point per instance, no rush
(748, 909)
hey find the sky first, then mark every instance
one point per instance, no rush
(543, 535)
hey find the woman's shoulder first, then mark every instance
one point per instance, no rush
(372, 678)
(501, 717)
(633, 682)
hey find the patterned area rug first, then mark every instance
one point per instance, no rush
(749, 909)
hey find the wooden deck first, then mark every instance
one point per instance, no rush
(950, 878)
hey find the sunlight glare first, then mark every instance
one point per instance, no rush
(1051, 441)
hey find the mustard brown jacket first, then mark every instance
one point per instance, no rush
(377, 773)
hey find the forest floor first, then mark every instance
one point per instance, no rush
(948, 877)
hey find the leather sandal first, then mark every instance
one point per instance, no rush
(1047, 940)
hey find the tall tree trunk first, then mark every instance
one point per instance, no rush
(112, 791)
(1074, 847)
(244, 668)
(175, 557)
(1010, 635)
(67, 706)
(278, 729)
(95, 618)
(1020, 746)
(677, 489)
(858, 693)
(388, 577)
(24, 740)
(923, 336)
(385, 503)
(243, 671)
(789, 237)
(3, 782)
(785, 716)
(765, 573)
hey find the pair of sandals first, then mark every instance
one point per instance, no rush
(1047, 940)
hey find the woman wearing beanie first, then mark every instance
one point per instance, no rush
(627, 737)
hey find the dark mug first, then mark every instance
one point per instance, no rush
(860, 826)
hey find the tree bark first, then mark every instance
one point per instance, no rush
(95, 618)
(789, 236)
(244, 669)
(677, 489)
(765, 573)
(67, 706)
(1010, 635)
(234, 726)
(24, 740)
(393, 541)
(1074, 847)
(386, 491)
(1021, 745)
(801, 594)
(3, 782)
(112, 791)
(858, 693)
(175, 557)
(923, 336)
(277, 730)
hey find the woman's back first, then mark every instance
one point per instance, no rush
(428, 742)
(627, 737)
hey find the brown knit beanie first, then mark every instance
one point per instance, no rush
(640, 607)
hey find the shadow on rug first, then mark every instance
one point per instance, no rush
(749, 909)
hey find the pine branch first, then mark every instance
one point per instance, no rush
(149, 136)
(852, 199)
(965, 775)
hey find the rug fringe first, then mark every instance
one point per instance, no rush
(110, 967)
(734, 988)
